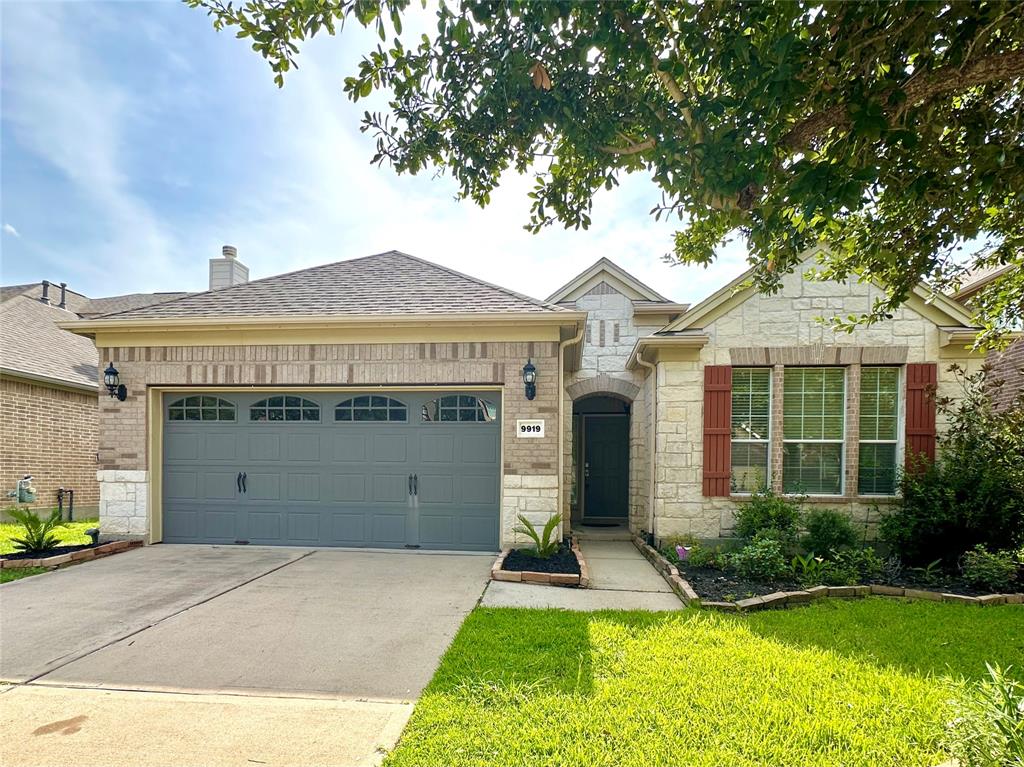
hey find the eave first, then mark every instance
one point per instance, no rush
(695, 340)
(57, 383)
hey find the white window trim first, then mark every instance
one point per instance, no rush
(901, 395)
(840, 442)
(767, 442)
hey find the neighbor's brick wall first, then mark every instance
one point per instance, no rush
(123, 425)
(786, 319)
(1008, 367)
(52, 435)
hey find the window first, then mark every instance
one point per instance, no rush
(879, 429)
(201, 408)
(751, 416)
(371, 408)
(813, 420)
(282, 408)
(459, 407)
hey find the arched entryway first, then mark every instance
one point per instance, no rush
(600, 448)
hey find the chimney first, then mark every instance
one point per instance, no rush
(63, 296)
(46, 292)
(227, 270)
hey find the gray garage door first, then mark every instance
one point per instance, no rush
(389, 469)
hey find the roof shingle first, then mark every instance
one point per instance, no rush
(390, 283)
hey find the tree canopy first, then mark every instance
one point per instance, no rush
(891, 133)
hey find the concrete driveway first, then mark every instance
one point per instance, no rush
(335, 642)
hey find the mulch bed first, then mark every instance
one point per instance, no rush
(562, 561)
(54, 552)
(720, 586)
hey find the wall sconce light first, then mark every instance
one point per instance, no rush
(530, 379)
(115, 389)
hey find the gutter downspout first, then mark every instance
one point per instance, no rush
(652, 453)
(562, 345)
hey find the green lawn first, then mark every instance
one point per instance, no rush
(838, 683)
(69, 534)
(19, 572)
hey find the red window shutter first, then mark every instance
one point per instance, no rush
(717, 429)
(921, 382)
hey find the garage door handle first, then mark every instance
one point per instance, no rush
(244, 477)
(416, 484)
(410, 484)
(238, 481)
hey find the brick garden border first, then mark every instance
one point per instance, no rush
(82, 555)
(788, 598)
(543, 579)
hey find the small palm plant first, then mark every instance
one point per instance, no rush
(38, 534)
(546, 542)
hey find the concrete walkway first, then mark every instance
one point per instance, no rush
(621, 579)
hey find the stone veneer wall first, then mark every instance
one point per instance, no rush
(610, 337)
(787, 319)
(530, 465)
(51, 434)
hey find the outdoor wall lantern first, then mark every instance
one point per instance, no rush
(530, 379)
(110, 378)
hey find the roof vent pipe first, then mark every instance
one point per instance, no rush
(63, 296)
(229, 251)
(46, 292)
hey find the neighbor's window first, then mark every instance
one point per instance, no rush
(813, 419)
(879, 430)
(201, 408)
(459, 407)
(371, 408)
(284, 408)
(751, 432)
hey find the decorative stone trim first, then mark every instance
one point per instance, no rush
(82, 555)
(603, 383)
(543, 579)
(780, 599)
(817, 354)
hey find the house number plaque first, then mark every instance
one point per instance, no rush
(533, 427)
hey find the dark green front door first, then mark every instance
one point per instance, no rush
(605, 466)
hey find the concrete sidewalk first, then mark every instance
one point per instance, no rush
(621, 579)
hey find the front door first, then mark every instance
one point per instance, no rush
(605, 466)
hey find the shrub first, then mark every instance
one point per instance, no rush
(760, 560)
(853, 566)
(38, 535)
(828, 530)
(769, 515)
(974, 493)
(984, 569)
(988, 729)
(808, 569)
(546, 542)
(707, 556)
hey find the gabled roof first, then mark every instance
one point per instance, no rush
(33, 347)
(604, 270)
(385, 284)
(940, 309)
(976, 280)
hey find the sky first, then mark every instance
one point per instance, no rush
(135, 141)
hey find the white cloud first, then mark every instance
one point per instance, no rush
(9, 229)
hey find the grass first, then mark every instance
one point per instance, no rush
(6, 576)
(840, 683)
(70, 534)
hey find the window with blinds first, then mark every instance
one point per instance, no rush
(751, 429)
(879, 430)
(814, 427)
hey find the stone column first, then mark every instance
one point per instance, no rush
(124, 504)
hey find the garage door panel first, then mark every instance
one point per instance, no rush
(478, 530)
(181, 524)
(264, 526)
(181, 447)
(303, 447)
(220, 524)
(436, 530)
(350, 447)
(390, 488)
(437, 448)
(478, 490)
(436, 488)
(304, 526)
(390, 448)
(479, 448)
(181, 485)
(264, 447)
(349, 529)
(349, 488)
(303, 487)
(220, 446)
(263, 486)
(389, 529)
(219, 485)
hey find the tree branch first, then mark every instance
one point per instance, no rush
(633, 148)
(994, 68)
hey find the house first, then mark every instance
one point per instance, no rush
(49, 392)
(1007, 364)
(389, 401)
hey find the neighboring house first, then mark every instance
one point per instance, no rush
(381, 401)
(1007, 365)
(49, 392)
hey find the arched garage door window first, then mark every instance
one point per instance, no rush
(371, 408)
(459, 407)
(201, 408)
(284, 408)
